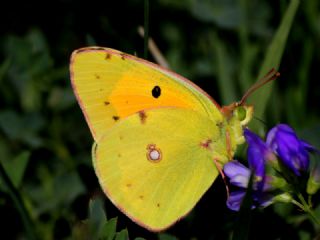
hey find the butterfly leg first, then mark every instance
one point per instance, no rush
(219, 167)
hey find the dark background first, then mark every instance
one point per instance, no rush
(45, 143)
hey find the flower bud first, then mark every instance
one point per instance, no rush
(277, 182)
(284, 198)
(313, 184)
(292, 151)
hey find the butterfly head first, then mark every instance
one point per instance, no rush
(239, 114)
(243, 113)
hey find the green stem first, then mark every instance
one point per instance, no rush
(17, 200)
(307, 209)
(146, 28)
(299, 205)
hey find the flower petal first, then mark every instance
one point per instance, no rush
(237, 173)
(309, 147)
(292, 151)
(256, 152)
(235, 199)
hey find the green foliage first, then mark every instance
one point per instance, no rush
(97, 226)
(223, 46)
(273, 58)
(16, 168)
(165, 236)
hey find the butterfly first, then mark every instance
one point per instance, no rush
(159, 140)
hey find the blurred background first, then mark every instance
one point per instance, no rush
(45, 144)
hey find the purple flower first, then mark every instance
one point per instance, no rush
(292, 151)
(282, 144)
(258, 152)
(235, 199)
(239, 175)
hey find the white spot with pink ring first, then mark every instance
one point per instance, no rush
(153, 153)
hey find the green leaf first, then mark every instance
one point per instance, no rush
(14, 126)
(16, 167)
(68, 186)
(272, 60)
(225, 81)
(61, 98)
(55, 191)
(10, 123)
(122, 235)
(303, 235)
(30, 65)
(226, 13)
(97, 217)
(165, 236)
(108, 231)
(4, 68)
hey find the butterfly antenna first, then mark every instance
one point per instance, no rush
(271, 75)
(260, 120)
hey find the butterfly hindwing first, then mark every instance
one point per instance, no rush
(154, 165)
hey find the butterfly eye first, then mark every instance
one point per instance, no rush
(156, 92)
(241, 113)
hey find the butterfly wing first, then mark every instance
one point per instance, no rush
(154, 165)
(111, 85)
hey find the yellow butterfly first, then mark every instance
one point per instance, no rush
(159, 139)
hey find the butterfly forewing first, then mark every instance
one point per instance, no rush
(111, 85)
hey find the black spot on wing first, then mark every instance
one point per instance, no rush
(156, 92)
(115, 118)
